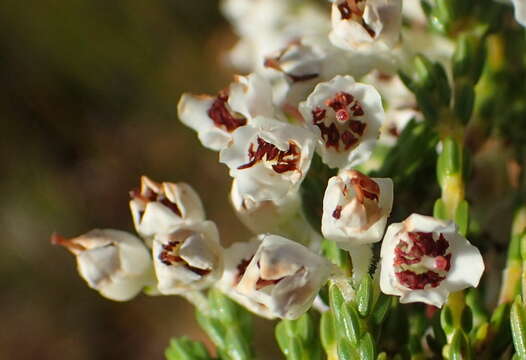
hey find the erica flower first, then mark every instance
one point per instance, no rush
(113, 262)
(424, 259)
(346, 117)
(269, 159)
(265, 26)
(355, 208)
(305, 62)
(158, 207)
(282, 276)
(366, 24)
(237, 257)
(216, 118)
(189, 258)
(284, 217)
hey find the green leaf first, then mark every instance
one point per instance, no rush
(381, 308)
(186, 349)
(446, 320)
(459, 348)
(327, 330)
(462, 217)
(236, 346)
(364, 296)
(336, 300)
(518, 327)
(213, 329)
(439, 210)
(367, 347)
(350, 322)
(346, 351)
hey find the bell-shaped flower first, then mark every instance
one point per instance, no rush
(115, 263)
(265, 26)
(365, 25)
(284, 217)
(423, 259)
(216, 118)
(346, 117)
(356, 208)
(305, 62)
(282, 276)
(269, 159)
(237, 257)
(187, 259)
(159, 207)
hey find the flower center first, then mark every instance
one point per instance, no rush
(169, 256)
(223, 117)
(366, 194)
(353, 10)
(421, 259)
(147, 194)
(280, 160)
(343, 128)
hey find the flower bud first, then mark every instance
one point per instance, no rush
(346, 117)
(356, 208)
(424, 259)
(189, 258)
(159, 207)
(282, 276)
(216, 118)
(113, 262)
(364, 25)
(269, 159)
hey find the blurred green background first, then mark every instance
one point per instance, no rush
(90, 89)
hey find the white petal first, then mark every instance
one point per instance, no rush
(193, 112)
(373, 117)
(260, 181)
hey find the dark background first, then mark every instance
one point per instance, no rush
(88, 104)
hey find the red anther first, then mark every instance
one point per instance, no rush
(337, 213)
(284, 160)
(222, 117)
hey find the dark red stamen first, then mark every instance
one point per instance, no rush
(222, 117)
(285, 160)
(337, 213)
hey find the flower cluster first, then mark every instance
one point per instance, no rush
(320, 90)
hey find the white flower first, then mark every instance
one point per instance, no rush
(266, 26)
(282, 276)
(113, 262)
(189, 258)
(356, 208)
(237, 257)
(284, 217)
(269, 159)
(366, 24)
(159, 207)
(424, 259)
(346, 116)
(216, 118)
(520, 11)
(305, 62)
